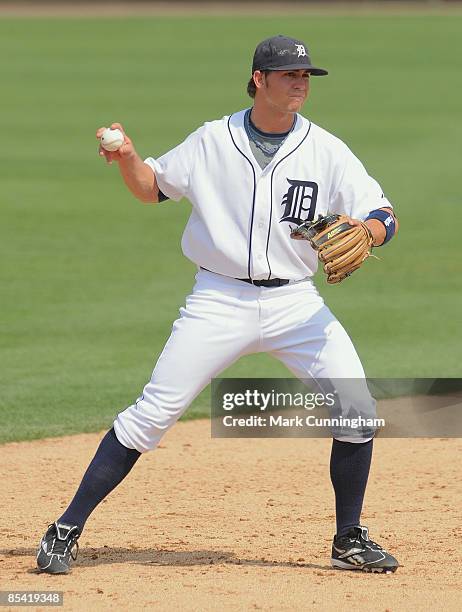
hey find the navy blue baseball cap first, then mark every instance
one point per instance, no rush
(284, 53)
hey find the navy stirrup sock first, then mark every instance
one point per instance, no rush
(112, 462)
(349, 470)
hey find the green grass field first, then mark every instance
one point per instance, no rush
(91, 280)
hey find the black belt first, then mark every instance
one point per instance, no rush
(274, 282)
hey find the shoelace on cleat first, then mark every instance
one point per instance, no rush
(60, 547)
(373, 544)
(364, 542)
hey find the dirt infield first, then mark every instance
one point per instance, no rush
(204, 524)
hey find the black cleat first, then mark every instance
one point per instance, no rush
(58, 546)
(354, 551)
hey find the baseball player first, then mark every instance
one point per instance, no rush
(251, 177)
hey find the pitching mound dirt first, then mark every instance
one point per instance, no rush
(204, 524)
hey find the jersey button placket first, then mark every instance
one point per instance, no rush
(260, 229)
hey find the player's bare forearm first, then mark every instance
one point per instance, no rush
(139, 178)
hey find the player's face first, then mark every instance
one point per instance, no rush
(286, 91)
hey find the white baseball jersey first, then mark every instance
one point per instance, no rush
(242, 215)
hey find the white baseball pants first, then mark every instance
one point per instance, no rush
(222, 320)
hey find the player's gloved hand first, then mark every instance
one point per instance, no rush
(342, 243)
(126, 150)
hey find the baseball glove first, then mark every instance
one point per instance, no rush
(341, 247)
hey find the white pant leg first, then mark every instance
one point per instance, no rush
(217, 326)
(302, 332)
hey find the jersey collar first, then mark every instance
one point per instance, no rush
(241, 141)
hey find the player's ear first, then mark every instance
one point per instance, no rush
(258, 78)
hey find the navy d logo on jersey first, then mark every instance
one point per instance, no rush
(299, 202)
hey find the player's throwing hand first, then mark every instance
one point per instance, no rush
(125, 151)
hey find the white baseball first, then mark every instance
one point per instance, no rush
(112, 140)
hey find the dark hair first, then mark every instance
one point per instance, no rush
(251, 87)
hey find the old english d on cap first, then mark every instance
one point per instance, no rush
(284, 53)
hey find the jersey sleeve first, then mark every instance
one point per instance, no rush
(357, 193)
(173, 169)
